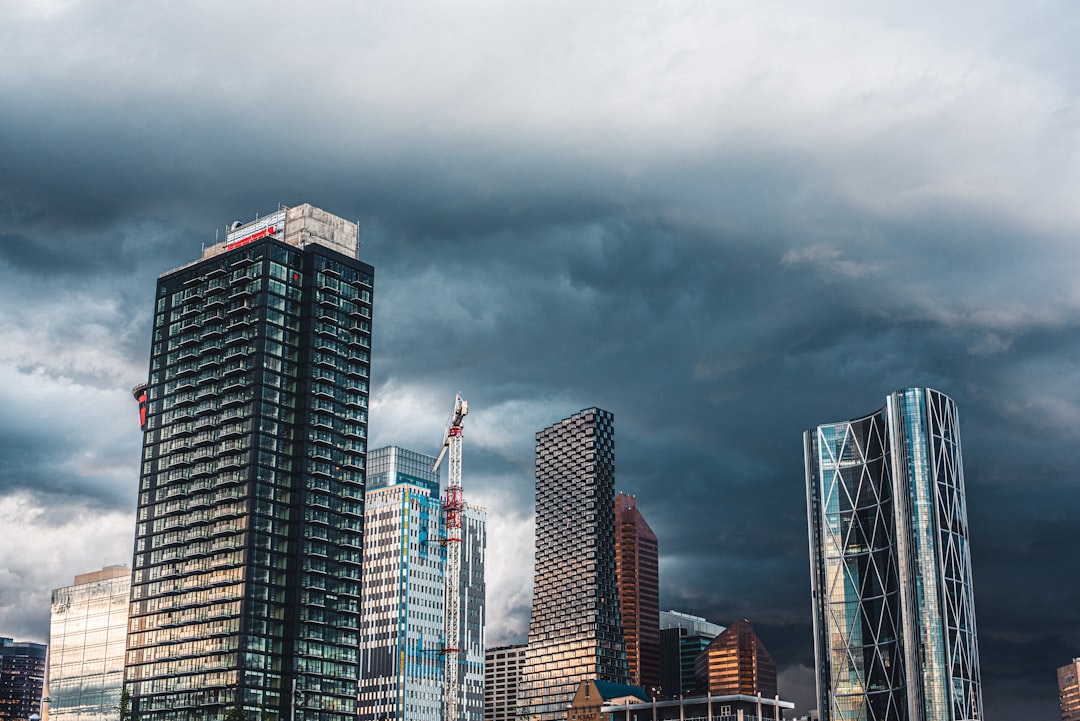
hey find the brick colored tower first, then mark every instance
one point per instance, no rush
(637, 573)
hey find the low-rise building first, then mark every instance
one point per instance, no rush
(593, 695)
(731, 707)
(502, 673)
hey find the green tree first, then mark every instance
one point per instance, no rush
(236, 713)
(125, 705)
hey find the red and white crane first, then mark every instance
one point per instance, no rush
(453, 508)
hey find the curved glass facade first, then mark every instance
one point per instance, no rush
(894, 613)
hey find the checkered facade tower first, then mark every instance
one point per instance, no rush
(575, 632)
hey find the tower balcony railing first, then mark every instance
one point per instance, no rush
(236, 365)
(203, 422)
(209, 390)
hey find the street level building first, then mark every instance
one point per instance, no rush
(730, 707)
(637, 559)
(894, 612)
(1069, 690)
(736, 662)
(87, 634)
(22, 679)
(403, 617)
(682, 638)
(246, 577)
(593, 695)
(575, 632)
(502, 674)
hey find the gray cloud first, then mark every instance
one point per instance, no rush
(725, 224)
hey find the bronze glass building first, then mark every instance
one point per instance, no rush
(245, 590)
(736, 662)
(575, 632)
(637, 570)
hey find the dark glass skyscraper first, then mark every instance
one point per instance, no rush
(894, 613)
(22, 677)
(575, 632)
(682, 638)
(246, 576)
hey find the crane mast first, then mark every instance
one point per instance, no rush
(453, 507)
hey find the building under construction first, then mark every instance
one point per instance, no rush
(404, 641)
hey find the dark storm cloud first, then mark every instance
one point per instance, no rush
(713, 222)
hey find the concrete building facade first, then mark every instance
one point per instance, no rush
(502, 675)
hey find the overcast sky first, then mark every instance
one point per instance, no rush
(725, 222)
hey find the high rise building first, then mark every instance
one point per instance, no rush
(22, 678)
(575, 632)
(682, 638)
(894, 613)
(403, 610)
(246, 576)
(87, 634)
(736, 662)
(637, 571)
(1069, 690)
(502, 674)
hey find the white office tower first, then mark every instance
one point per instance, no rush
(402, 630)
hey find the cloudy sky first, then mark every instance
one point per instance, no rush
(724, 221)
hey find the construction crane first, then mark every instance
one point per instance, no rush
(453, 508)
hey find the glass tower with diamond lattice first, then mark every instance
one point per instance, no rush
(894, 612)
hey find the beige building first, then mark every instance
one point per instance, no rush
(502, 673)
